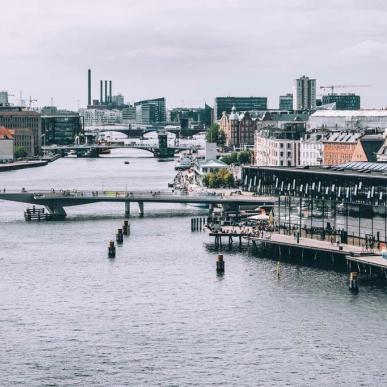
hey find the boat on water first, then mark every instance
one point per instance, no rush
(183, 164)
(72, 153)
(126, 162)
(165, 159)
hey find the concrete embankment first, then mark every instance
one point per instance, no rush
(22, 165)
(28, 163)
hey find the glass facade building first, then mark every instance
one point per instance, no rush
(343, 101)
(61, 129)
(242, 104)
(286, 102)
(151, 111)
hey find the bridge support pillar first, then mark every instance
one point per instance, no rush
(56, 210)
(141, 208)
(127, 210)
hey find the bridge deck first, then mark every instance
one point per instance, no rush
(71, 198)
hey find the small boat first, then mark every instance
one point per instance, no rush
(183, 164)
(126, 162)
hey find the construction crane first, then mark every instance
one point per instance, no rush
(333, 87)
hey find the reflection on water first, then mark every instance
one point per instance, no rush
(158, 314)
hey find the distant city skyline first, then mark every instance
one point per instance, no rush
(191, 51)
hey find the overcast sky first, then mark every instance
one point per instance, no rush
(191, 51)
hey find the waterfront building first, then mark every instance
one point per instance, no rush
(92, 117)
(151, 111)
(246, 129)
(129, 114)
(338, 147)
(61, 128)
(225, 104)
(278, 146)
(348, 101)
(6, 144)
(347, 119)
(203, 166)
(304, 93)
(239, 129)
(286, 102)
(367, 147)
(27, 127)
(190, 118)
(311, 148)
(4, 98)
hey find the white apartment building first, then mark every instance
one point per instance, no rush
(274, 148)
(311, 149)
(94, 117)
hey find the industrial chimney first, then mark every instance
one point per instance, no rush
(110, 91)
(88, 87)
(106, 92)
(101, 92)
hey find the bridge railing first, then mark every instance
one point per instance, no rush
(111, 193)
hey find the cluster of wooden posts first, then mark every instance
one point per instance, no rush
(125, 230)
(198, 224)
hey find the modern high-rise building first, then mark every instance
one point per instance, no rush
(349, 101)
(304, 93)
(286, 102)
(3, 98)
(151, 111)
(241, 104)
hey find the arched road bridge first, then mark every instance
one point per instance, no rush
(96, 149)
(56, 201)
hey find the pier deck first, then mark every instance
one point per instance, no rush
(370, 260)
(313, 244)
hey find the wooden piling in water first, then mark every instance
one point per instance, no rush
(111, 250)
(220, 264)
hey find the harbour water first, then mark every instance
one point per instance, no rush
(158, 314)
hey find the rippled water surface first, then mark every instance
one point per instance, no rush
(158, 314)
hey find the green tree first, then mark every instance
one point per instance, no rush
(220, 178)
(214, 180)
(214, 134)
(20, 152)
(243, 157)
(229, 180)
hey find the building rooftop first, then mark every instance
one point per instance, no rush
(25, 113)
(360, 169)
(350, 113)
(347, 137)
(212, 164)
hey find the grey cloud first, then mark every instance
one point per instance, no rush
(190, 49)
